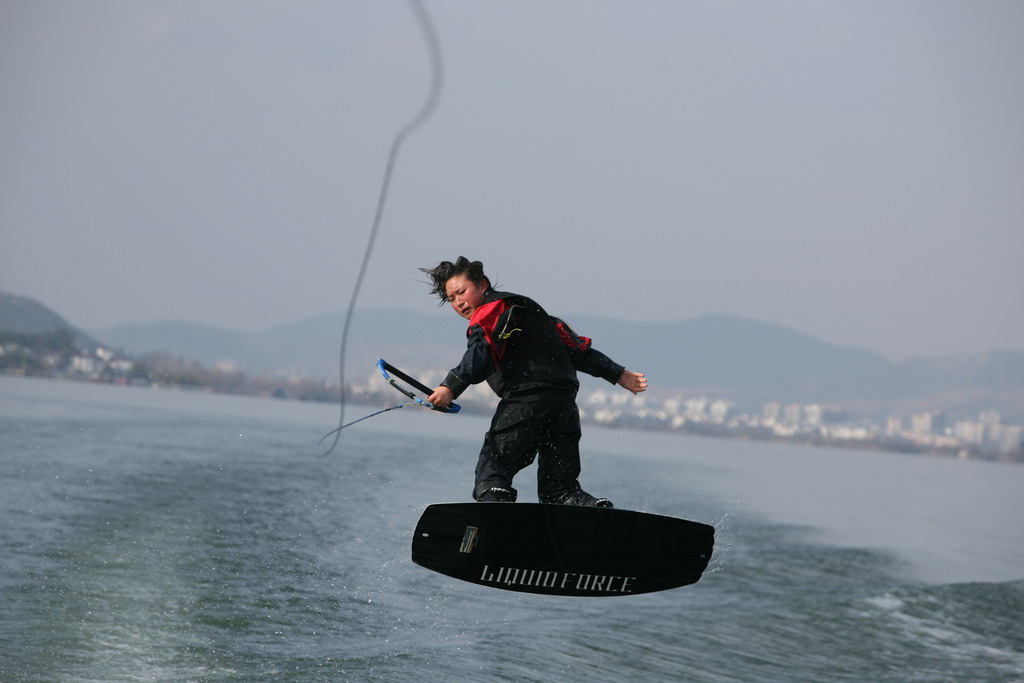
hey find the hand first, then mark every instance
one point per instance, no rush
(633, 381)
(442, 397)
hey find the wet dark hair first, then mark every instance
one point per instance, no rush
(446, 270)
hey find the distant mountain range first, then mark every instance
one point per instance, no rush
(748, 361)
(22, 315)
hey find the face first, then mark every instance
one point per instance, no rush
(464, 295)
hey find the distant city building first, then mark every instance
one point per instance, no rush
(696, 407)
(893, 425)
(720, 410)
(970, 431)
(1006, 438)
(927, 423)
(791, 414)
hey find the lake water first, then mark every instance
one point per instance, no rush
(175, 536)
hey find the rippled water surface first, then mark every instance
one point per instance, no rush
(172, 536)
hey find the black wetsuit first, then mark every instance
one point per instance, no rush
(530, 359)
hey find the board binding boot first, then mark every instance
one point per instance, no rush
(498, 494)
(578, 497)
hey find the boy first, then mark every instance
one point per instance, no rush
(530, 359)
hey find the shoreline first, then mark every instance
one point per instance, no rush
(626, 421)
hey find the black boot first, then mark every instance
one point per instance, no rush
(498, 494)
(578, 497)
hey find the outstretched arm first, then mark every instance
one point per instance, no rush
(632, 381)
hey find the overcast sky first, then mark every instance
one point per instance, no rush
(852, 169)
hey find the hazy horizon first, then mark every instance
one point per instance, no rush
(850, 170)
(458, 326)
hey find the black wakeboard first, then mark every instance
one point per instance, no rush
(561, 549)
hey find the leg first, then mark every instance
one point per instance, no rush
(508, 447)
(558, 467)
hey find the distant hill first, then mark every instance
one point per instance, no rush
(748, 361)
(721, 353)
(23, 315)
(713, 352)
(310, 347)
